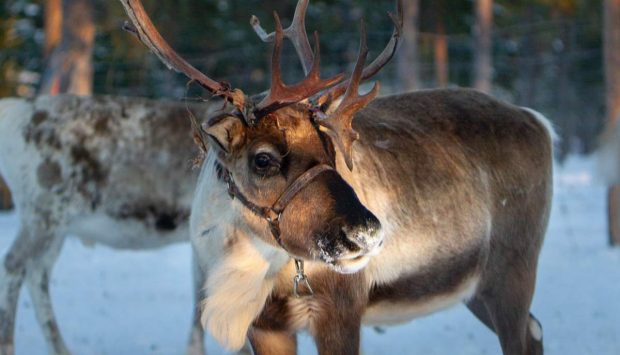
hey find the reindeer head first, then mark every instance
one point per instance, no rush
(278, 154)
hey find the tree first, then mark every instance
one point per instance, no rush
(407, 60)
(611, 39)
(483, 58)
(441, 45)
(69, 68)
(53, 25)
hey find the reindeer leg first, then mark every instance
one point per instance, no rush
(479, 309)
(338, 333)
(266, 342)
(38, 272)
(11, 278)
(196, 344)
(10, 284)
(505, 309)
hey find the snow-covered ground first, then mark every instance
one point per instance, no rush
(119, 302)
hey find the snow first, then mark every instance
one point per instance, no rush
(125, 302)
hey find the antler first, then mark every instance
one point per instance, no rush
(378, 64)
(338, 124)
(282, 95)
(296, 32)
(146, 32)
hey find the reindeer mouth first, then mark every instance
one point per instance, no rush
(348, 257)
(350, 266)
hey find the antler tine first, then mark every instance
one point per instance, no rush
(281, 94)
(146, 32)
(373, 68)
(338, 124)
(296, 32)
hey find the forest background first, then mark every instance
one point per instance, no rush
(544, 54)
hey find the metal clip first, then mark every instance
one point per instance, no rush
(273, 217)
(229, 185)
(300, 277)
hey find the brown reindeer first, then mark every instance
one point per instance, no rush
(399, 206)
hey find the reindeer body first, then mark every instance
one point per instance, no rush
(461, 184)
(453, 185)
(115, 171)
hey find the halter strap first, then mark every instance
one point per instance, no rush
(272, 214)
(298, 185)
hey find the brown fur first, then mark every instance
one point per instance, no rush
(323, 209)
(467, 180)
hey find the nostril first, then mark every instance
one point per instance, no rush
(372, 223)
(349, 241)
(364, 237)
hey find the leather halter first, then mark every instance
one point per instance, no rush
(273, 214)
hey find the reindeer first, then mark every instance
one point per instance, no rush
(321, 209)
(115, 171)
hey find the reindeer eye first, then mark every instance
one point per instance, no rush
(262, 160)
(265, 164)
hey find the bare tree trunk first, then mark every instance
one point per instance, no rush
(483, 45)
(441, 54)
(53, 25)
(407, 59)
(611, 34)
(69, 68)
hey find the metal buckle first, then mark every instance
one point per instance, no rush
(229, 185)
(273, 216)
(300, 277)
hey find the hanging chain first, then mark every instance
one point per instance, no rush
(300, 278)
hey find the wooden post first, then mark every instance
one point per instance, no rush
(611, 40)
(6, 202)
(613, 214)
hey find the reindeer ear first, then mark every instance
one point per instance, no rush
(226, 133)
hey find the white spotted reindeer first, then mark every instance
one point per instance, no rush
(319, 209)
(115, 171)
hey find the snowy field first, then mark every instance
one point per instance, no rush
(111, 302)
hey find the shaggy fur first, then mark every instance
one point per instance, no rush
(115, 171)
(461, 184)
